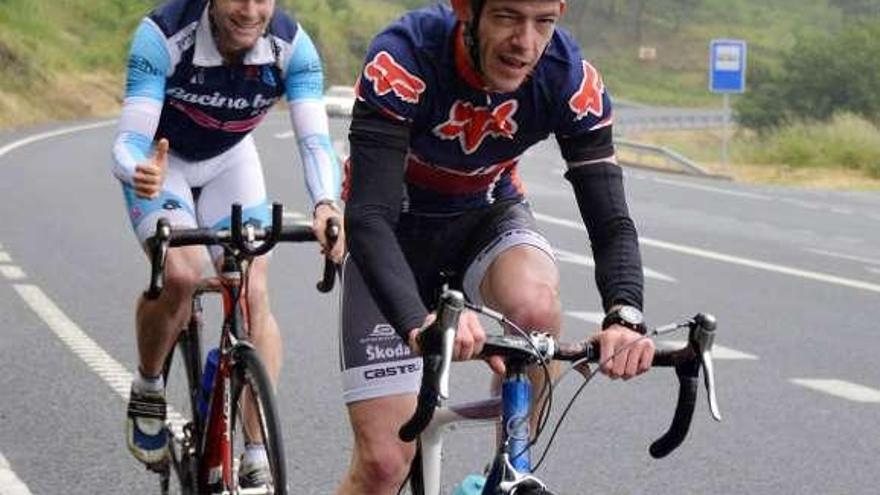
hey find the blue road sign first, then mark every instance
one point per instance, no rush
(727, 66)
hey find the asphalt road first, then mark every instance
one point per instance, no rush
(792, 275)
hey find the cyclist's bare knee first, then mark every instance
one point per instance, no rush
(523, 283)
(258, 292)
(183, 271)
(381, 461)
(381, 469)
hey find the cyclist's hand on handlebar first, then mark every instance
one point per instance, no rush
(634, 352)
(149, 175)
(469, 340)
(323, 213)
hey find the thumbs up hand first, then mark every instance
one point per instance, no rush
(150, 174)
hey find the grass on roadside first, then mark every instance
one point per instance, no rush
(841, 154)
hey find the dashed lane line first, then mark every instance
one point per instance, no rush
(719, 190)
(294, 215)
(97, 359)
(590, 316)
(12, 272)
(858, 259)
(10, 484)
(840, 388)
(580, 259)
(735, 260)
(718, 351)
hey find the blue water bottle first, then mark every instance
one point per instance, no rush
(208, 380)
(471, 485)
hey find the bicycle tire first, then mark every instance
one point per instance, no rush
(248, 371)
(183, 412)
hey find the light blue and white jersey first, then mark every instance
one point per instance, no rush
(179, 88)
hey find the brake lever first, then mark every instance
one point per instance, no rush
(331, 269)
(158, 253)
(700, 339)
(704, 338)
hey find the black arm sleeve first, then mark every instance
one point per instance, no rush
(378, 150)
(601, 199)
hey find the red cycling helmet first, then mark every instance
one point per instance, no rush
(465, 8)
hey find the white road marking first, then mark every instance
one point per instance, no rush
(294, 215)
(842, 256)
(801, 203)
(735, 260)
(840, 388)
(590, 316)
(340, 146)
(4, 257)
(840, 210)
(873, 270)
(284, 135)
(719, 190)
(58, 132)
(10, 484)
(583, 260)
(719, 351)
(102, 363)
(12, 272)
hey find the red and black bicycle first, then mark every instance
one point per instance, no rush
(230, 401)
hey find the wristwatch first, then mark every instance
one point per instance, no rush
(627, 316)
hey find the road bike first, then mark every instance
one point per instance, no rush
(230, 401)
(511, 470)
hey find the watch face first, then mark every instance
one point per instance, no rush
(630, 314)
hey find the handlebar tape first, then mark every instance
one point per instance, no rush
(429, 397)
(688, 378)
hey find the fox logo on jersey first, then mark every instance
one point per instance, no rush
(588, 98)
(387, 75)
(470, 125)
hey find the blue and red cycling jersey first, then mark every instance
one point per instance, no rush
(466, 142)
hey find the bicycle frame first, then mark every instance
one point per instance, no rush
(511, 469)
(215, 463)
(512, 463)
(207, 438)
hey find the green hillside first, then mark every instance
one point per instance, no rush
(61, 59)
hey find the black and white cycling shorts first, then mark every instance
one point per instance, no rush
(457, 250)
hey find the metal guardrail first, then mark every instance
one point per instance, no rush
(648, 155)
(631, 119)
(641, 118)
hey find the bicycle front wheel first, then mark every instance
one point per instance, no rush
(254, 423)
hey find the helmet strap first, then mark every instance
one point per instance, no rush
(471, 38)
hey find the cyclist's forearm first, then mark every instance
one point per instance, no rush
(321, 169)
(378, 148)
(387, 274)
(602, 201)
(149, 61)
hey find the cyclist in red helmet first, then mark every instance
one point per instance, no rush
(448, 101)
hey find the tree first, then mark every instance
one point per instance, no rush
(822, 75)
(855, 9)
